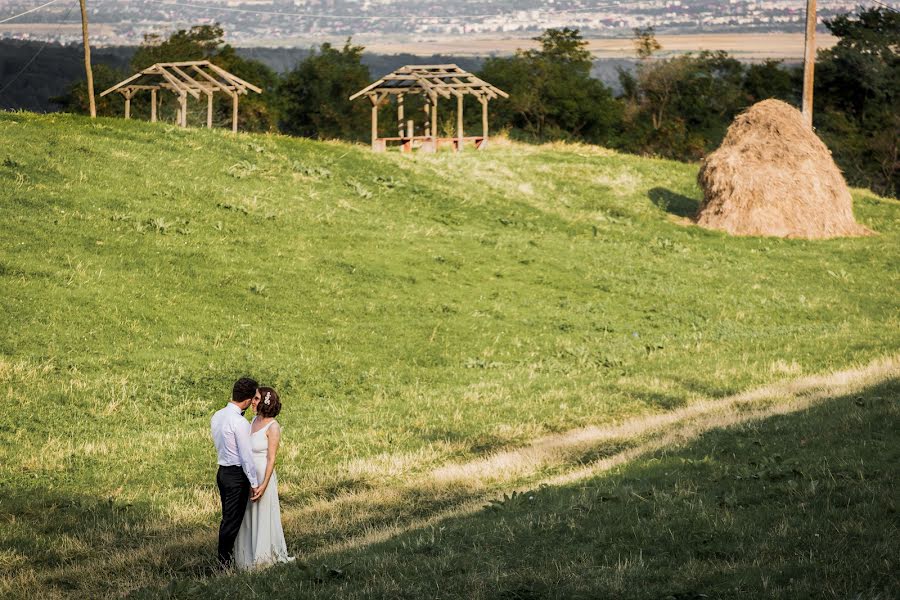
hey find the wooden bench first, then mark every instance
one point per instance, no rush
(427, 143)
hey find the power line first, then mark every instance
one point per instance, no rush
(890, 8)
(38, 53)
(28, 11)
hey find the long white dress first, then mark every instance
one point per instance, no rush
(260, 540)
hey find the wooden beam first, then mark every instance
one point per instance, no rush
(88, 71)
(209, 107)
(125, 81)
(192, 83)
(809, 62)
(459, 123)
(444, 67)
(484, 121)
(374, 100)
(472, 88)
(233, 78)
(182, 89)
(428, 87)
(400, 115)
(234, 113)
(127, 95)
(493, 88)
(184, 63)
(434, 116)
(212, 79)
(153, 105)
(183, 102)
(366, 89)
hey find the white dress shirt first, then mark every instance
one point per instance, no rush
(231, 435)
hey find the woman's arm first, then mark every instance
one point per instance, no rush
(273, 433)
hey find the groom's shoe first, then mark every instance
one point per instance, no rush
(225, 567)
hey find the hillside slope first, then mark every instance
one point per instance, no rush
(410, 309)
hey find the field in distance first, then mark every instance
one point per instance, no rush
(744, 46)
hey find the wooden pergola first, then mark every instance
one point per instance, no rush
(193, 78)
(434, 82)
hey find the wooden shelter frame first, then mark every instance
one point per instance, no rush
(194, 77)
(434, 82)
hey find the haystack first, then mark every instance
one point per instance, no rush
(773, 176)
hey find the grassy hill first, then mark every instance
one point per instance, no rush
(413, 312)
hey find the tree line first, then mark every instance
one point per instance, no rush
(676, 107)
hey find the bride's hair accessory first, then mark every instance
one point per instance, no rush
(269, 403)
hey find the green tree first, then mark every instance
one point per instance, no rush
(552, 93)
(857, 94)
(75, 98)
(772, 79)
(257, 112)
(680, 107)
(645, 42)
(200, 42)
(315, 95)
(563, 46)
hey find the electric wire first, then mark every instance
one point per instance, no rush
(36, 54)
(7, 19)
(890, 8)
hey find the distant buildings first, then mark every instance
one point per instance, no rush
(265, 22)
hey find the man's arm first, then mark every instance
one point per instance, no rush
(242, 437)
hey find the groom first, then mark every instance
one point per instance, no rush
(237, 476)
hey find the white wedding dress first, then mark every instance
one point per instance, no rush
(260, 540)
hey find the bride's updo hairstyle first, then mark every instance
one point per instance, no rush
(269, 403)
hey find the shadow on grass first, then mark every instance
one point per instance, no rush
(800, 505)
(676, 204)
(73, 545)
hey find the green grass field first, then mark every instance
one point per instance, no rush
(414, 312)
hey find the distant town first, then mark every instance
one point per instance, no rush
(307, 22)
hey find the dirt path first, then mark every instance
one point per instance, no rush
(639, 436)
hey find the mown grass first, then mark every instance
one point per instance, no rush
(411, 310)
(797, 506)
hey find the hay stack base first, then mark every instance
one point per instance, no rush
(772, 176)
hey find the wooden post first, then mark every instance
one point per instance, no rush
(484, 122)
(153, 106)
(400, 115)
(209, 106)
(410, 128)
(459, 123)
(374, 100)
(427, 109)
(127, 105)
(434, 113)
(809, 61)
(234, 112)
(87, 60)
(183, 109)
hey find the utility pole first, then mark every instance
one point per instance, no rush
(87, 60)
(809, 61)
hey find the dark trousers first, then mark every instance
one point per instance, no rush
(234, 489)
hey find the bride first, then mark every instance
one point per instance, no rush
(260, 540)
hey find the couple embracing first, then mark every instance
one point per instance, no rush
(250, 534)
